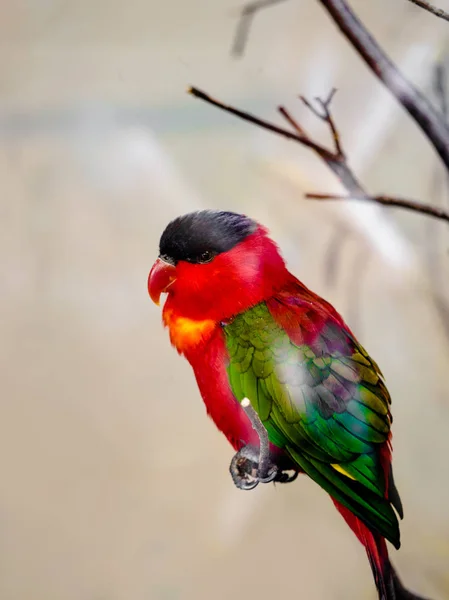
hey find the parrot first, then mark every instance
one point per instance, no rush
(251, 330)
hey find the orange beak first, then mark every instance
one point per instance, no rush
(161, 276)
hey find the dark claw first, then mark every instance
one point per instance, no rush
(246, 472)
(267, 473)
(287, 476)
(244, 468)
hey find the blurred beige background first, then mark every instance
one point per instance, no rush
(114, 484)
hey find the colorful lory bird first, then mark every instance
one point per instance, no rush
(251, 330)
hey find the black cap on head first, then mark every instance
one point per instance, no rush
(199, 236)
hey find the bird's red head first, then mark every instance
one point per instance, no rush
(215, 264)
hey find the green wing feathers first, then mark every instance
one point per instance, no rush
(321, 399)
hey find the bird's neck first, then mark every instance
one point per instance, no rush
(191, 326)
(236, 281)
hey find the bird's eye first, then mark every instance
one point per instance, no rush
(205, 256)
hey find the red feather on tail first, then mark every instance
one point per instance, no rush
(376, 550)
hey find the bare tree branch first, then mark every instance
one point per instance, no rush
(424, 209)
(430, 120)
(304, 140)
(438, 12)
(334, 159)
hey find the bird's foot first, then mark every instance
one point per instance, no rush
(244, 468)
(247, 472)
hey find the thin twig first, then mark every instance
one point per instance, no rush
(438, 12)
(325, 104)
(431, 211)
(296, 126)
(259, 428)
(246, 18)
(304, 140)
(430, 120)
(335, 162)
(330, 121)
(326, 116)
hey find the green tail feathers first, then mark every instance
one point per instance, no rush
(369, 507)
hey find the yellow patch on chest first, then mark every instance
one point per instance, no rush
(187, 333)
